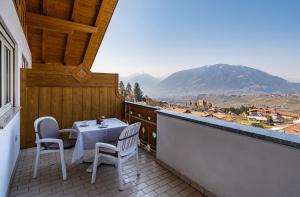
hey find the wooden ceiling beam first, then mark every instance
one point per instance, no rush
(44, 36)
(75, 10)
(68, 47)
(70, 36)
(45, 7)
(105, 13)
(55, 24)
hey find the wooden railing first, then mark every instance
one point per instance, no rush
(146, 115)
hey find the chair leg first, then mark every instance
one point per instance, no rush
(120, 174)
(95, 166)
(37, 160)
(63, 163)
(137, 163)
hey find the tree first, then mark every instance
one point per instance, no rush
(258, 124)
(122, 88)
(138, 93)
(128, 92)
(270, 120)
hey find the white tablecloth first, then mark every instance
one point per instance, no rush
(88, 136)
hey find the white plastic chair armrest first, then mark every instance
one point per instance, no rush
(53, 140)
(106, 145)
(68, 131)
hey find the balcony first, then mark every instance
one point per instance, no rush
(227, 159)
(155, 180)
(181, 154)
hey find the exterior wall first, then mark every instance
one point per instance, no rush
(9, 148)
(225, 163)
(10, 135)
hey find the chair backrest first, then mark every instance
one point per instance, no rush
(46, 127)
(128, 139)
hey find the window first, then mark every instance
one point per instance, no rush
(6, 71)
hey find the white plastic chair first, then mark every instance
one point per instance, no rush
(47, 140)
(125, 148)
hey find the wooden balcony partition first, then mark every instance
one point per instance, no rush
(64, 38)
(147, 116)
(55, 92)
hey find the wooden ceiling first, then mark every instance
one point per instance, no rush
(66, 32)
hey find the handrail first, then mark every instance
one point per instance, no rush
(142, 105)
(135, 112)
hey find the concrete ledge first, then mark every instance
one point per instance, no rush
(8, 116)
(262, 134)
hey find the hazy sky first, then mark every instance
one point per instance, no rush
(163, 36)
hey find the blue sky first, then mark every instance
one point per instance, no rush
(160, 37)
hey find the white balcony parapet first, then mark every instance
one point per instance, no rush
(229, 159)
(264, 134)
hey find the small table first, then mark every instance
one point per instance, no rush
(89, 135)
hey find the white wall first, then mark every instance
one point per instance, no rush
(9, 16)
(10, 135)
(228, 164)
(9, 149)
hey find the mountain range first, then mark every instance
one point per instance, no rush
(216, 79)
(147, 82)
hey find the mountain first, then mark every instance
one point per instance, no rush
(223, 79)
(146, 81)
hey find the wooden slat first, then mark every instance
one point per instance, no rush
(56, 24)
(44, 46)
(56, 104)
(87, 103)
(31, 116)
(103, 101)
(67, 107)
(77, 104)
(112, 101)
(95, 102)
(44, 101)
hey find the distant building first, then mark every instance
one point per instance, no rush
(296, 121)
(293, 129)
(289, 116)
(260, 112)
(257, 119)
(203, 105)
(277, 118)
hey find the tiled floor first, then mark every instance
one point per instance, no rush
(153, 181)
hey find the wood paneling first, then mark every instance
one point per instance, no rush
(68, 32)
(51, 23)
(147, 116)
(67, 102)
(64, 37)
